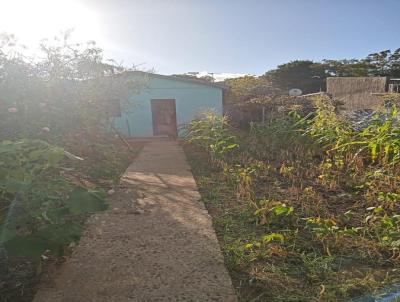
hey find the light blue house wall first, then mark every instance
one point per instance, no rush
(190, 98)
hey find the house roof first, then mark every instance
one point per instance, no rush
(177, 78)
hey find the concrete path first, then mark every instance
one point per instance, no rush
(156, 243)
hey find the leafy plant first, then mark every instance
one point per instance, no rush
(40, 209)
(56, 102)
(271, 211)
(212, 132)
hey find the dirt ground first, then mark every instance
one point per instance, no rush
(155, 243)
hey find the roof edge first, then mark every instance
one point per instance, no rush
(175, 78)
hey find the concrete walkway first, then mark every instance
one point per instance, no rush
(156, 243)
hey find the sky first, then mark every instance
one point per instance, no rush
(233, 36)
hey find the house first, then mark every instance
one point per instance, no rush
(162, 103)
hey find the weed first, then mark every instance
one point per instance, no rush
(306, 207)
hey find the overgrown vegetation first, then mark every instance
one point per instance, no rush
(248, 95)
(306, 205)
(58, 156)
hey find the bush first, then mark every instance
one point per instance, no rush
(41, 209)
(54, 108)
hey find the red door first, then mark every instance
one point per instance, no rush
(164, 117)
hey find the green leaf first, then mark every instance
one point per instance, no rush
(283, 209)
(231, 146)
(29, 246)
(274, 236)
(280, 209)
(249, 246)
(13, 186)
(61, 234)
(83, 201)
(52, 237)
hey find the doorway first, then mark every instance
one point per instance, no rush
(164, 117)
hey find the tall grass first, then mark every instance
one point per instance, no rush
(315, 205)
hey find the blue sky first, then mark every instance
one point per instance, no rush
(238, 36)
(250, 36)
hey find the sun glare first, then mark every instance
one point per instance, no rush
(34, 20)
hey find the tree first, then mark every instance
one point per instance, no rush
(68, 90)
(384, 63)
(346, 68)
(303, 74)
(206, 78)
(245, 88)
(310, 76)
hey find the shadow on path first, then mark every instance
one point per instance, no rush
(156, 243)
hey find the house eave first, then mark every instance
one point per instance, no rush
(176, 78)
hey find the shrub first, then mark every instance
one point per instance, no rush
(40, 208)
